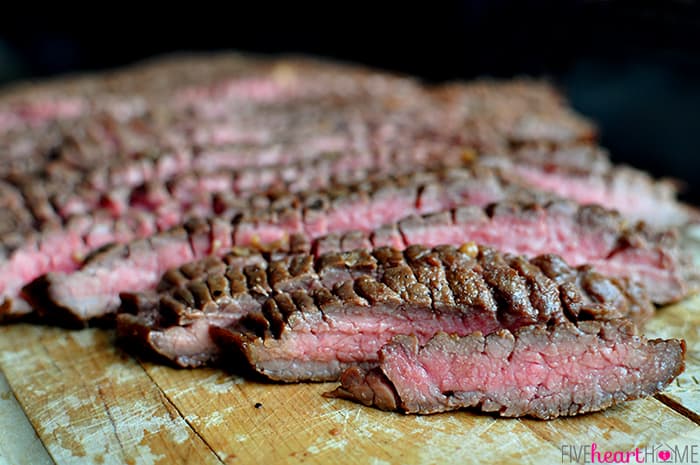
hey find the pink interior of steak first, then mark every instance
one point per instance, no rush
(631, 195)
(186, 345)
(209, 127)
(92, 292)
(354, 335)
(538, 232)
(62, 251)
(530, 375)
(538, 372)
(653, 268)
(344, 340)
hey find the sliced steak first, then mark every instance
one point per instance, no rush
(585, 174)
(305, 318)
(654, 262)
(636, 255)
(581, 235)
(62, 249)
(366, 205)
(534, 371)
(142, 150)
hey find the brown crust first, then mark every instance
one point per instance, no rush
(142, 127)
(270, 295)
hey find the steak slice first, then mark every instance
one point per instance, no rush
(366, 205)
(141, 261)
(636, 255)
(317, 316)
(116, 151)
(123, 134)
(169, 203)
(536, 371)
(579, 234)
(652, 259)
(586, 175)
(62, 249)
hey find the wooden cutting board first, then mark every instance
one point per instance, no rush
(74, 398)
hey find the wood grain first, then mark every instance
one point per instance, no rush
(296, 425)
(90, 404)
(18, 441)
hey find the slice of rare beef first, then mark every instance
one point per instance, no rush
(297, 318)
(93, 291)
(536, 371)
(579, 234)
(585, 174)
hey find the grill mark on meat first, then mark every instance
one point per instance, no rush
(545, 221)
(14, 216)
(346, 294)
(241, 288)
(543, 293)
(399, 276)
(465, 279)
(509, 290)
(295, 271)
(375, 292)
(202, 297)
(257, 280)
(426, 266)
(246, 230)
(601, 288)
(125, 139)
(380, 294)
(218, 287)
(486, 372)
(37, 200)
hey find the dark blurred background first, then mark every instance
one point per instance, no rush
(634, 67)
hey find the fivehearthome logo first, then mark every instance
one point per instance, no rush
(652, 453)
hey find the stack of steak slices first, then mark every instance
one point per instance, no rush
(633, 255)
(521, 221)
(521, 340)
(109, 182)
(97, 160)
(353, 302)
(100, 160)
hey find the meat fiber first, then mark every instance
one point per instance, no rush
(579, 234)
(95, 160)
(536, 371)
(586, 175)
(258, 221)
(299, 318)
(62, 250)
